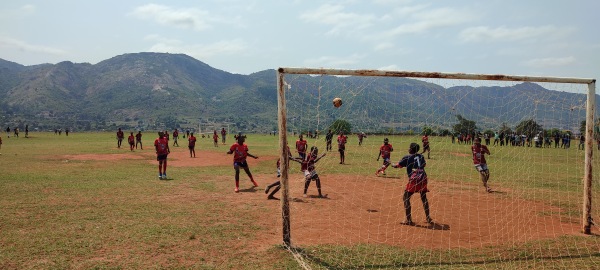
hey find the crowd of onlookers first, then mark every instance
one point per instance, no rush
(514, 139)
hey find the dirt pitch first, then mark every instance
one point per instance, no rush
(359, 210)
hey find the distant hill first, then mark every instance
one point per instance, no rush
(160, 90)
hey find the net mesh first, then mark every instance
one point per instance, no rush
(532, 217)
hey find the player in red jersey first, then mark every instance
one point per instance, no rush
(342, 139)
(310, 173)
(479, 152)
(240, 151)
(192, 144)
(131, 141)
(120, 137)
(161, 145)
(426, 147)
(175, 137)
(417, 181)
(216, 138)
(223, 135)
(361, 136)
(385, 152)
(138, 140)
(301, 146)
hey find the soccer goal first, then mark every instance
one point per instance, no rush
(540, 135)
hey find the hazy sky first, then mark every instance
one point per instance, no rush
(549, 37)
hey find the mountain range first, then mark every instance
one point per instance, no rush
(161, 90)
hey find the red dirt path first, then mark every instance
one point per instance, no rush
(368, 209)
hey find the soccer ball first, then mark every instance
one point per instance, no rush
(337, 102)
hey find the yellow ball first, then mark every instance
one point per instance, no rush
(337, 102)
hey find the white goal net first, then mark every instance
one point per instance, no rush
(535, 211)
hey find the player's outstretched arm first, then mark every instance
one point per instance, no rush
(319, 158)
(379, 155)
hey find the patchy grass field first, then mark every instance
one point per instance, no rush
(80, 202)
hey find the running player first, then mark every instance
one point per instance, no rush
(425, 141)
(342, 139)
(310, 173)
(192, 144)
(120, 137)
(138, 140)
(384, 152)
(301, 147)
(417, 182)
(240, 151)
(479, 152)
(131, 141)
(216, 139)
(161, 145)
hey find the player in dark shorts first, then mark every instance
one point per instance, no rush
(328, 139)
(216, 139)
(120, 137)
(138, 140)
(384, 152)
(131, 141)
(223, 134)
(342, 139)
(192, 144)
(161, 145)
(240, 151)
(175, 137)
(310, 173)
(417, 182)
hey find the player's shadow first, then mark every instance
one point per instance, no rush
(498, 192)
(167, 179)
(249, 190)
(390, 176)
(434, 226)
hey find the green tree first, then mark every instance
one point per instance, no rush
(427, 131)
(444, 132)
(528, 127)
(464, 126)
(340, 125)
(505, 128)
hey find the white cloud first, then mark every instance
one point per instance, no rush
(334, 62)
(12, 43)
(486, 34)
(28, 8)
(198, 51)
(549, 62)
(425, 20)
(189, 18)
(383, 46)
(335, 16)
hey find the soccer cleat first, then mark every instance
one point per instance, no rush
(164, 176)
(160, 176)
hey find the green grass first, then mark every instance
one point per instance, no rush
(62, 213)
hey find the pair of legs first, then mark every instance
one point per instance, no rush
(223, 139)
(407, 207)
(131, 146)
(307, 183)
(426, 149)
(192, 151)
(342, 155)
(140, 143)
(216, 143)
(244, 166)
(175, 141)
(162, 166)
(484, 173)
(119, 141)
(276, 185)
(386, 164)
(328, 147)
